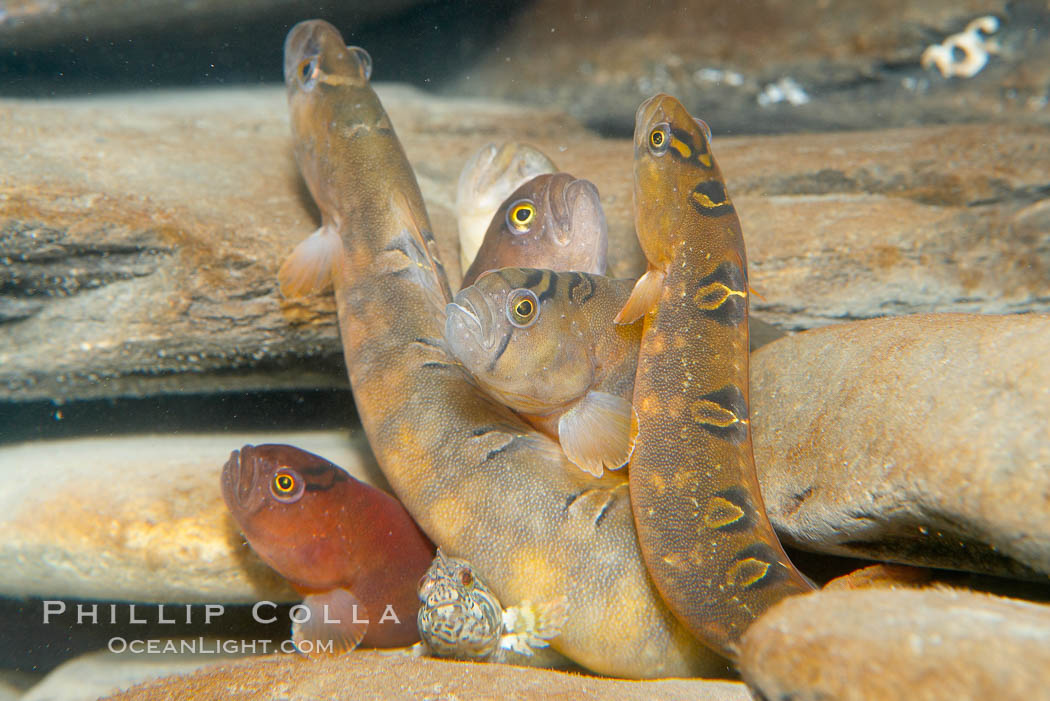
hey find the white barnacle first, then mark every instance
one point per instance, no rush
(965, 54)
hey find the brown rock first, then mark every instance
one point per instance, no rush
(96, 674)
(920, 439)
(394, 675)
(899, 644)
(766, 65)
(34, 23)
(138, 252)
(140, 518)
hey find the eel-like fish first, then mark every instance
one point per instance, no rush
(701, 521)
(483, 484)
(461, 618)
(544, 344)
(553, 221)
(487, 179)
(351, 549)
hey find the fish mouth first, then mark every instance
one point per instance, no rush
(587, 220)
(466, 319)
(239, 478)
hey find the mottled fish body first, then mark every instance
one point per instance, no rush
(487, 179)
(553, 221)
(461, 618)
(544, 344)
(701, 521)
(351, 549)
(479, 480)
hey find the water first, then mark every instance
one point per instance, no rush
(84, 237)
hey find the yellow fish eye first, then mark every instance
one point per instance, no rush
(659, 138)
(520, 216)
(522, 307)
(287, 486)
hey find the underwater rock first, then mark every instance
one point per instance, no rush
(921, 440)
(397, 675)
(96, 674)
(138, 252)
(140, 518)
(876, 644)
(35, 23)
(780, 66)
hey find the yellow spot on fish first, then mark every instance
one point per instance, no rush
(714, 295)
(707, 412)
(649, 404)
(659, 486)
(721, 512)
(682, 148)
(656, 343)
(685, 480)
(704, 158)
(747, 572)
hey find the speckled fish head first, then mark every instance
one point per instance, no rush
(327, 83)
(282, 497)
(669, 146)
(554, 221)
(516, 332)
(458, 616)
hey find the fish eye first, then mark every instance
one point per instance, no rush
(466, 578)
(307, 72)
(522, 308)
(520, 216)
(659, 139)
(287, 486)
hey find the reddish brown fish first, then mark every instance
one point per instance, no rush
(553, 221)
(346, 546)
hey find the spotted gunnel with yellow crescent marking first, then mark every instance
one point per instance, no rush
(707, 542)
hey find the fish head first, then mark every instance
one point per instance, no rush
(496, 170)
(459, 616)
(487, 179)
(327, 84)
(282, 498)
(670, 148)
(517, 332)
(316, 55)
(554, 221)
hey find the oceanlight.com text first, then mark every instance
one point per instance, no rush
(202, 646)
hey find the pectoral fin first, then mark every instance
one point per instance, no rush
(644, 296)
(336, 618)
(309, 268)
(598, 432)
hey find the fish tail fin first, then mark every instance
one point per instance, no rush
(310, 266)
(424, 240)
(644, 296)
